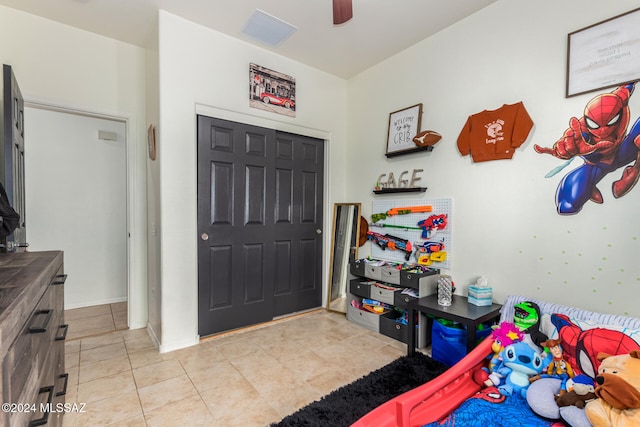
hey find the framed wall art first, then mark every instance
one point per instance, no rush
(272, 91)
(604, 54)
(403, 126)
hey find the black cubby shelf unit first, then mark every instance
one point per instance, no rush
(385, 283)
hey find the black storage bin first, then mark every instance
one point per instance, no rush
(360, 288)
(391, 327)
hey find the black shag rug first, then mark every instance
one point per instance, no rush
(348, 404)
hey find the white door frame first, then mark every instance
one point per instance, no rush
(136, 268)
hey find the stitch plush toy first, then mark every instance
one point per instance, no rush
(618, 390)
(519, 362)
(503, 335)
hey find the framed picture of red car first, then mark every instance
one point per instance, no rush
(272, 91)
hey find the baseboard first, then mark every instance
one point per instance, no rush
(165, 348)
(153, 336)
(138, 325)
(95, 302)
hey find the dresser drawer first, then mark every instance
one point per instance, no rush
(28, 367)
(33, 364)
(17, 367)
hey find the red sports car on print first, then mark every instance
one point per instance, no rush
(269, 98)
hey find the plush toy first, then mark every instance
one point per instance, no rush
(504, 334)
(580, 390)
(581, 346)
(618, 390)
(526, 316)
(519, 362)
(559, 367)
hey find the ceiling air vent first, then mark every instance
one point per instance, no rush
(267, 28)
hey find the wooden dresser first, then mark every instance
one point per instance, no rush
(32, 334)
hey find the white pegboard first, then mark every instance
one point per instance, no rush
(438, 207)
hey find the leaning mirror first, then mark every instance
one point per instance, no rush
(344, 249)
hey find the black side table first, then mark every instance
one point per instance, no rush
(459, 311)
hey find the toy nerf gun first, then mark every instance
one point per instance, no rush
(391, 242)
(429, 247)
(434, 222)
(429, 252)
(402, 227)
(400, 211)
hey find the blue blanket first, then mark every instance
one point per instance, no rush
(489, 408)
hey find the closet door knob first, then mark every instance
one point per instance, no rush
(204, 236)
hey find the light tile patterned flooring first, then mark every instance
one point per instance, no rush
(245, 378)
(96, 320)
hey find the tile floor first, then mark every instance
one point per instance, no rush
(246, 378)
(96, 320)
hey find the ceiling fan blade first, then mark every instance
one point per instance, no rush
(342, 11)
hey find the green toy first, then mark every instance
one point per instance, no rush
(526, 317)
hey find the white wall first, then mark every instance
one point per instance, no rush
(506, 225)
(66, 159)
(153, 194)
(60, 65)
(205, 71)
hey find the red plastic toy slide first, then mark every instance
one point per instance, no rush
(434, 400)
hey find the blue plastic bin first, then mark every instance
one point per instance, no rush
(449, 344)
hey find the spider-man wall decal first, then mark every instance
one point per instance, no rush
(601, 139)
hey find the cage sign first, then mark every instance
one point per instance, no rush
(389, 180)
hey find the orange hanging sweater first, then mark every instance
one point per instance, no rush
(494, 135)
